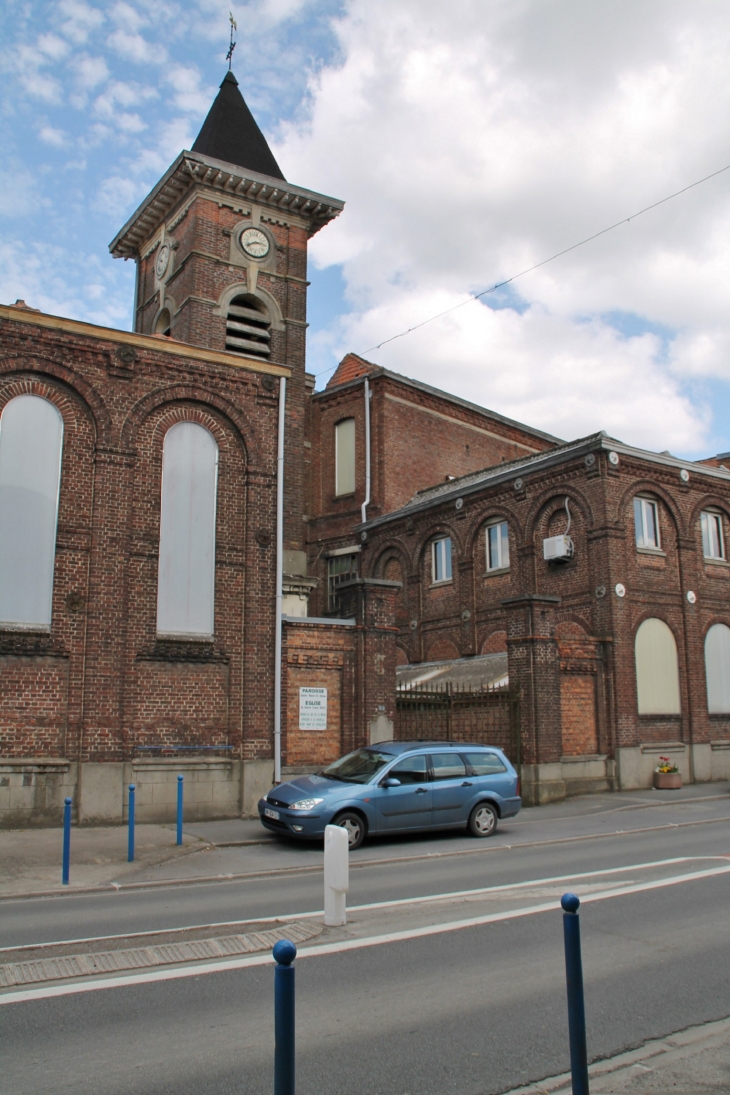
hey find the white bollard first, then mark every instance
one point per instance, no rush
(336, 875)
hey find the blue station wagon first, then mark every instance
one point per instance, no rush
(396, 787)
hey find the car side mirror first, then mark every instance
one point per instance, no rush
(391, 781)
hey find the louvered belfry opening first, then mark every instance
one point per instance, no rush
(248, 328)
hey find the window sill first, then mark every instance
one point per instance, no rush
(722, 563)
(182, 637)
(24, 629)
(656, 552)
(496, 571)
(443, 582)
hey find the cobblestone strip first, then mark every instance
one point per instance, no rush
(13, 974)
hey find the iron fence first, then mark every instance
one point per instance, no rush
(449, 712)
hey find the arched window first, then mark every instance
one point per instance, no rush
(248, 327)
(164, 322)
(657, 672)
(31, 437)
(717, 669)
(345, 457)
(186, 575)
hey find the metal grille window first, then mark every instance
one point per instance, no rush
(248, 328)
(713, 546)
(498, 546)
(441, 560)
(646, 521)
(340, 568)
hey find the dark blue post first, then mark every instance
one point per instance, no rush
(284, 954)
(66, 841)
(130, 833)
(179, 808)
(576, 1002)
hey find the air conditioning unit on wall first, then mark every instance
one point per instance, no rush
(557, 549)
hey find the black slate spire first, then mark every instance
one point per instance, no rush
(230, 133)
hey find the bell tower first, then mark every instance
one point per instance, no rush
(220, 245)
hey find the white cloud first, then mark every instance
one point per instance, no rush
(89, 72)
(189, 95)
(56, 138)
(473, 140)
(19, 193)
(81, 20)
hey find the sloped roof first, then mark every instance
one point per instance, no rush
(230, 133)
(482, 671)
(352, 367)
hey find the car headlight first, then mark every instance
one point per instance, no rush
(306, 804)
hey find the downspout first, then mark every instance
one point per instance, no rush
(366, 503)
(279, 579)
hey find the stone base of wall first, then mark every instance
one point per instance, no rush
(543, 783)
(697, 763)
(32, 790)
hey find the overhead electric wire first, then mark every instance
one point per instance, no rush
(557, 255)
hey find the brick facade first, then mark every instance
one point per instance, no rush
(100, 685)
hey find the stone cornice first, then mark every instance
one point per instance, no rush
(193, 169)
(156, 344)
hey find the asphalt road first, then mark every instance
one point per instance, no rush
(477, 1010)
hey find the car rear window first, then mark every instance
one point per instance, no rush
(485, 764)
(447, 766)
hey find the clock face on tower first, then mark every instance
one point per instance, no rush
(163, 261)
(254, 243)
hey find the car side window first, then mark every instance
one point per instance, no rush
(484, 764)
(410, 770)
(447, 766)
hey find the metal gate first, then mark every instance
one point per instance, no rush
(449, 712)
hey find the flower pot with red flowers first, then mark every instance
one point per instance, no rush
(666, 775)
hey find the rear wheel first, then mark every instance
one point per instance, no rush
(483, 819)
(355, 827)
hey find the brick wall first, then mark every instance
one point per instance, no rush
(101, 683)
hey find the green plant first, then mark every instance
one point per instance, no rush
(666, 765)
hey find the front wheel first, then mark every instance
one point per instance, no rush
(483, 820)
(355, 827)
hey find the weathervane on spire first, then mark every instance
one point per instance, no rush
(232, 44)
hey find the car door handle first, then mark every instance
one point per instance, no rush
(466, 783)
(421, 791)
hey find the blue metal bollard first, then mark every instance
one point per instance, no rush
(576, 1002)
(130, 832)
(179, 808)
(284, 954)
(66, 841)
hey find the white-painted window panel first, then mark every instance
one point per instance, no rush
(441, 560)
(498, 546)
(31, 439)
(657, 670)
(186, 575)
(717, 669)
(345, 457)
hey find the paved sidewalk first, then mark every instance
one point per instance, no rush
(695, 1061)
(30, 859)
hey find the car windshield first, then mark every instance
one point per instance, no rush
(358, 767)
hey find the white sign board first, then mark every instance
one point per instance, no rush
(312, 708)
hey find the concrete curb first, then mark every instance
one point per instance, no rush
(662, 1051)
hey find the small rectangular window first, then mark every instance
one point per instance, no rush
(713, 545)
(498, 546)
(441, 560)
(646, 520)
(447, 766)
(341, 568)
(345, 457)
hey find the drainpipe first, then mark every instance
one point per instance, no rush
(366, 503)
(279, 579)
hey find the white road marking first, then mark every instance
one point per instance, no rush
(286, 917)
(345, 944)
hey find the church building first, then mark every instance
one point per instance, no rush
(192, 539)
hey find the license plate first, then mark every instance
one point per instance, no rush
(271, 813)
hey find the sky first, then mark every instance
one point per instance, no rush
(469, 142)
